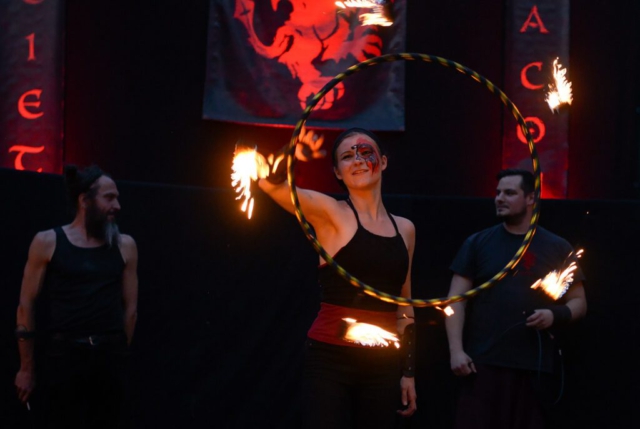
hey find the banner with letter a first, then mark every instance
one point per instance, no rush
(31, 85)
(537, 35)
(267, 59)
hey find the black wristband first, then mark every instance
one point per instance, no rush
(280, 175)
(408, 350)
(23, 334)
(561, 314)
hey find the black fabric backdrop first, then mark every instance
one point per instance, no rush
(225, 303)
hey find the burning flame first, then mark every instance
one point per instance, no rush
(447, 310)
(560, 89)
(248, 165)
(369, 335)
(378, 16)
(556, 284)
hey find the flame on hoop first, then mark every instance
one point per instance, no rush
(555, 284)
(447, 310)
(380, 11)
(248, 165)
(369, 335)
(560, 89)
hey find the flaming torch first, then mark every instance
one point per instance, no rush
(248, 165)
(380, 11)
(555, 284)
(369, 335)
(560, 89)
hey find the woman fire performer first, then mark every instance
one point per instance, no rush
(351, 385)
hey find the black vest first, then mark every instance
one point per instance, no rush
(84, 288)
(381, 262)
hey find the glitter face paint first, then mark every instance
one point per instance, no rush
(367, 153)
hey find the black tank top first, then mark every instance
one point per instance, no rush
(381, 262)
(84, 287)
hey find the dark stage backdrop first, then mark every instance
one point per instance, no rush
(225, 303)
(134, 80)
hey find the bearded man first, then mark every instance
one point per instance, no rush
(88, 272)
(502, 342)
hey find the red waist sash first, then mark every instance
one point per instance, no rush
(330, 328)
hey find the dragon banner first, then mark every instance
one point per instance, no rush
(266, 59)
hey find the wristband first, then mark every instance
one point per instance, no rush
(22, 334)
(408, 350)
(561, 314)
(279, 175)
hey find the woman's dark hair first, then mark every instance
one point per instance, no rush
(81, 182)
(348, 133)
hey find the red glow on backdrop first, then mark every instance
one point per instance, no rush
(31, 86)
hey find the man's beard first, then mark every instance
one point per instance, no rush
(513, 218)
(99, 226)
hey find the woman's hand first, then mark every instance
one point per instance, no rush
(409, 397)
(309, 146)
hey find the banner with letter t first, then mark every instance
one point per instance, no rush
(31, 84)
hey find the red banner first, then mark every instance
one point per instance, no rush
(537, 34)
(267, 59)
(31, 85)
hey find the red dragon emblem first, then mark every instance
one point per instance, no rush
(313, 32)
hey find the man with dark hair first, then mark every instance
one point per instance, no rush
(508, 342)
(88, 272)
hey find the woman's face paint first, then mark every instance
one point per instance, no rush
(366, 152)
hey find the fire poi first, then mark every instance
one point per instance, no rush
(556, 283)
(367, 334)
(560, 89)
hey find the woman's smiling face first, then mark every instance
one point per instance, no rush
(358, 159)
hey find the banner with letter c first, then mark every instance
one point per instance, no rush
(537, 34)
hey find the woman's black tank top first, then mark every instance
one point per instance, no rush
(380, 262)
(84, 287)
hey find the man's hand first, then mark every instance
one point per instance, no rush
(461, 364)
(25, 383)
(409, 397)
(540, 319)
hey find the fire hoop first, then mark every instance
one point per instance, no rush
(307, 228)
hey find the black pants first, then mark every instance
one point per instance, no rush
(85, 384)
(349, 387)
(499, 398)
